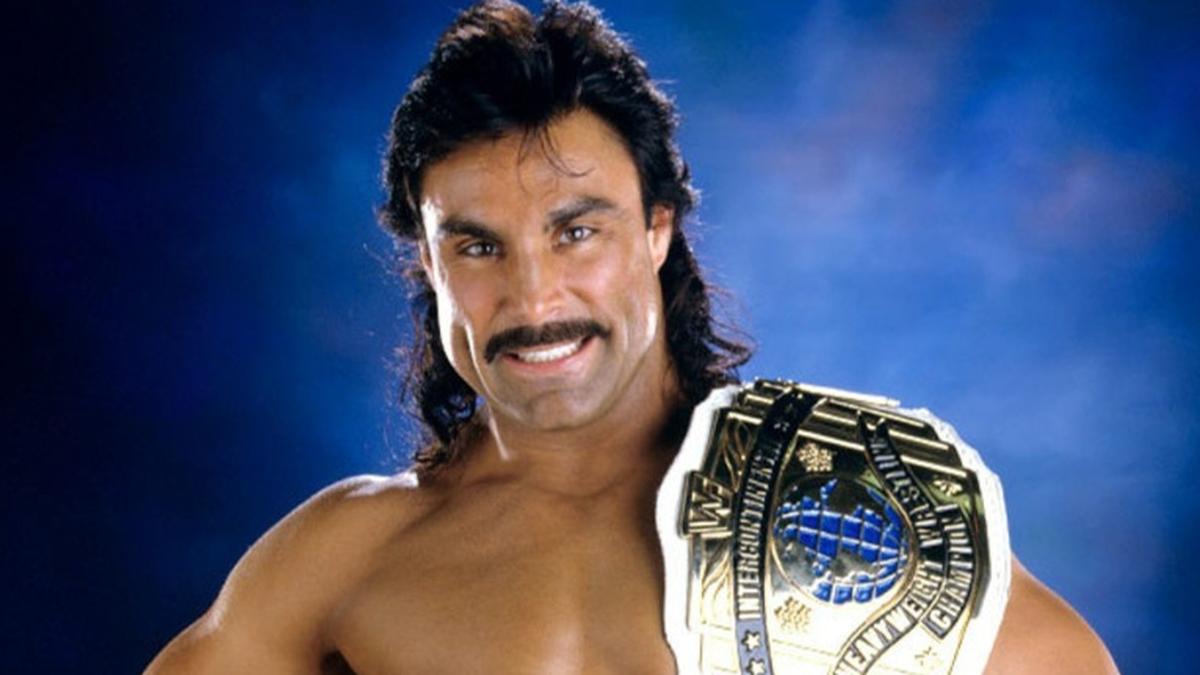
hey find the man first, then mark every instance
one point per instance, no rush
(565, 336)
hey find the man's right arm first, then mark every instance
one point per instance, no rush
(269, 615)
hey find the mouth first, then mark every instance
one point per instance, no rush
(548, 359)
(549, 343)
(548, 354)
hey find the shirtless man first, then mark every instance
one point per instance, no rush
(533, 165)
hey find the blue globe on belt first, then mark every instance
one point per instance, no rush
(840, 540)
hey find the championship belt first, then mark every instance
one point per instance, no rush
(822, 531)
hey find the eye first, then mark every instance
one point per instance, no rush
(479, 249)
(575, 233)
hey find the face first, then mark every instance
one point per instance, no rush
(546, 272)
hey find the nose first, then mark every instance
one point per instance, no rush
(536, 278)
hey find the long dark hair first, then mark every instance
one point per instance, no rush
(498, 69)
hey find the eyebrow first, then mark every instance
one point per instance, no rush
(577, 208)
(463, 227)
(455, 226)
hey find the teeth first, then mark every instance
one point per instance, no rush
(547, 355)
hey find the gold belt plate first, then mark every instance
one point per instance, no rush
(830, 535)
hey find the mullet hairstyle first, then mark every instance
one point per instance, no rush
(497, 70)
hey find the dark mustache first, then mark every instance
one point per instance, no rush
(535, 336)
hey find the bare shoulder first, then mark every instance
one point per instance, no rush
(1041, 633)
(269, 616)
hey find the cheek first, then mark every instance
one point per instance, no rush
(647, 310)
(463, 311)
(448, 323)
(628, 288)
(648, 292)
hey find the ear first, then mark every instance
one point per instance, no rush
(658, 235)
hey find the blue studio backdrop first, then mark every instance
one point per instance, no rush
(988, 209)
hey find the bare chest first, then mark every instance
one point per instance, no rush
(533, 592)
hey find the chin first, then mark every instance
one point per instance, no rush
(558, 411)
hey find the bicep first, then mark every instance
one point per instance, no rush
(1041, 633)
(208, 648)
(242, 632)
(267, 617)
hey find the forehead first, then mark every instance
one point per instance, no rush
(520, 176)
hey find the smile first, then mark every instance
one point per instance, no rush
(548, 354)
